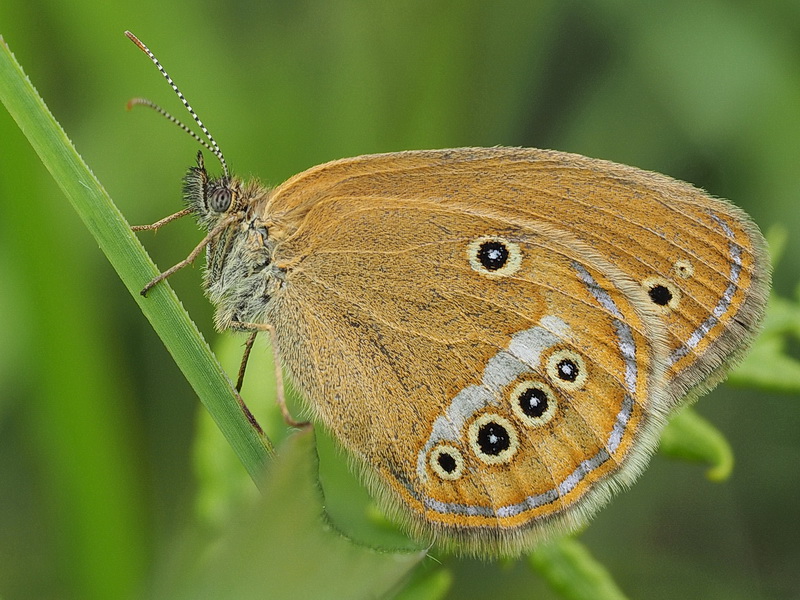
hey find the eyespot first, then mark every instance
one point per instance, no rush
(533, 402)
(493, 439)
(662, 292)
(219, 197)
(446, 461)
(683, 269)
(566, 369)
(494, 256)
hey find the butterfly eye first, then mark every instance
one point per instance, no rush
(493, 439)
(219, 198)
(494, 256)
(533, 402)
(662, 292)
(567, 369)
(446, 461)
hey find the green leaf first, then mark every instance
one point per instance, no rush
(768, 365)
(430, 585)
(129, 259)
(284, 547)
(571, 570)
(777, 237)
(690, 437)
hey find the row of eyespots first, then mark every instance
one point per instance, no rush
(493, 438)
(497, 257)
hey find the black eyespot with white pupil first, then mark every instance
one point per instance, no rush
(567, 370)
(533, 402)
(493, 255)
(493, 438)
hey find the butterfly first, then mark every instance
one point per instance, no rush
(496, 336)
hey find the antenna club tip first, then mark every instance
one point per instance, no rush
(136, 101)
(136, 41)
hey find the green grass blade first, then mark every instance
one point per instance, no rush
(129, 259)
(689, 436)
(573, 572)
(770, 364)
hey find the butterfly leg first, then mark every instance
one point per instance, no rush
(248, 347)
(160, 223)
(189, 259)
(280, 393)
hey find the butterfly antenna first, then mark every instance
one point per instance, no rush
(213, 147)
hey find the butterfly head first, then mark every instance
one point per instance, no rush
(212, 200)
(240, 277)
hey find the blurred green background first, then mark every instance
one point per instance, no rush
(96, 424)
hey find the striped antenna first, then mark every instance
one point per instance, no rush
(213, 147)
